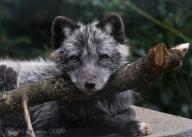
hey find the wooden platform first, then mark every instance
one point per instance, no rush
(165, 125)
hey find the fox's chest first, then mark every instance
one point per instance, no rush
(93, 109)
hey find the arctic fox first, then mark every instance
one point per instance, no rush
(87, 55)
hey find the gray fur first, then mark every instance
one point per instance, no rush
(86, 43)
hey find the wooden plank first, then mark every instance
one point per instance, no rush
(165, 125)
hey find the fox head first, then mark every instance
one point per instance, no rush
(89, 54)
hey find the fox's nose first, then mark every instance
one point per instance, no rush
(89, 85)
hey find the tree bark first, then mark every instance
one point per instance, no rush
(130, 76)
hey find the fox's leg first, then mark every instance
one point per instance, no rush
(135, 128)
(111, 126)
(8, 78)
(125, 124)
(129, 126)
(8, 81)
(122, 124)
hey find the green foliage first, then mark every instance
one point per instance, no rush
(25, 33)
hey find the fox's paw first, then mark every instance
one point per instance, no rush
(135, 129)
(145, 128)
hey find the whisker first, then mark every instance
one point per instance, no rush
(138, 96)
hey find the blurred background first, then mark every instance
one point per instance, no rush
(25, 34)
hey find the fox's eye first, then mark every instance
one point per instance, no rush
(103, 57)
(74, 58)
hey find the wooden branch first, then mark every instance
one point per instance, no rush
(138, 73)
(30, 131)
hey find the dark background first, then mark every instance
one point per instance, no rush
(25, 34)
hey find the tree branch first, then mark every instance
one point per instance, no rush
(30, 131)
(133, 75)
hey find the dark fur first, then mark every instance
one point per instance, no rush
(104, 117)
(8, 78)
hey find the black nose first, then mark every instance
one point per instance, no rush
(89, 85)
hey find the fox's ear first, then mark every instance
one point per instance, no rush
(113, 25)
(61, 28)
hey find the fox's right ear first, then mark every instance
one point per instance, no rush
(62, 27)
(113, 25)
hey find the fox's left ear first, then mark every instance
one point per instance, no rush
(113, 25)
(62, 27)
